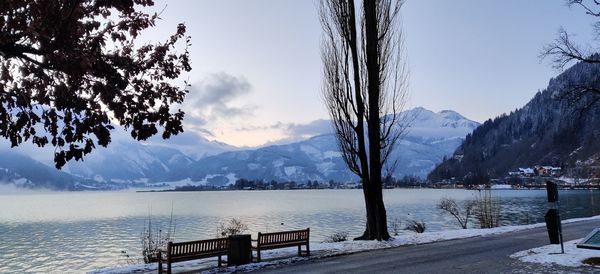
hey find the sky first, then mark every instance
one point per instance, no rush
(256, 76)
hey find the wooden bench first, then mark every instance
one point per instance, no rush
(186, 251)
(281, 240)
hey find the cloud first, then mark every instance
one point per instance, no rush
(313, 128)
(214, 99)
(215, 109)
(292, 132)
(220, 88)
(192, 119)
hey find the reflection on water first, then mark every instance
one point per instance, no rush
(84, 231)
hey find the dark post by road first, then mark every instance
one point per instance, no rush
(552, 217)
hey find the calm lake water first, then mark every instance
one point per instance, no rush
(78, 232)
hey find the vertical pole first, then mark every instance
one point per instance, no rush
(559, 223)
(160, 271)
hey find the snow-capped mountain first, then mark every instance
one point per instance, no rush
(125, 160)
(194, 146)
(430, 138)
(26, 172)
(445, 124)
(194, 159)
(23, 171)
(314, 159)
(132, 161)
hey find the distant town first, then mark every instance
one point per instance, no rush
(534, 178)
(523, 178)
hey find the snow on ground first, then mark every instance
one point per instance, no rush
(550, 254)
(321, 250)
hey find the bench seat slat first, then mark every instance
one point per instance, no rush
(197, 256)
(277, 245)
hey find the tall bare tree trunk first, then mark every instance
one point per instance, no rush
(364, 82)
(376, 214)
(360, 105)
(360, 124)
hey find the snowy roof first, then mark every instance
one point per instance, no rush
(526, 170)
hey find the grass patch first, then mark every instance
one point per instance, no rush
(592, 261)
(416, 226)
(340, 236)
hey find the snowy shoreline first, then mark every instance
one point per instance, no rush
(322, 250)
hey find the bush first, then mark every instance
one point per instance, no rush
(415, 226)
(461, 214)
(340, 236)
(231, 228)
(396, 226)
(155, 240)
(487, 209)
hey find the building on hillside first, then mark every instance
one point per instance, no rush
(548, 170)
(527, 171)
(537, 171)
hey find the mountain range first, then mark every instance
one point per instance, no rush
(557, 127)
(430, 138)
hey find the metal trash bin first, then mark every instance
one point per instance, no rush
(240, 250)
(551, 219)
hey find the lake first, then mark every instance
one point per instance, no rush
(82, 231)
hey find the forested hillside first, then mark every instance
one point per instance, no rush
(559, 126)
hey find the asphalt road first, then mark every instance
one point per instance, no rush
(487, 254)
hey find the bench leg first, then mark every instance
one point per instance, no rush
(258, 255)
(219, 260)
(307, 249)
(169, 267)
(159, 262)
(299, 250)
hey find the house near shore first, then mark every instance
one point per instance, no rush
(548, 170)
(536, 171)
(523, 172)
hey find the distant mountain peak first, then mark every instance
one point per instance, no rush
(451, 114)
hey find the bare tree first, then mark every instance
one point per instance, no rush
(584, 92)
(487, 209)
(365, 91)
(563, 51)
(462, 214)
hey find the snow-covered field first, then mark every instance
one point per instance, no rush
(321, 250)
(550, 254)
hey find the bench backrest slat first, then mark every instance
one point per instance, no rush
(283, 237)
(183, 249)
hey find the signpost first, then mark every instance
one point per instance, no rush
(552, 217)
